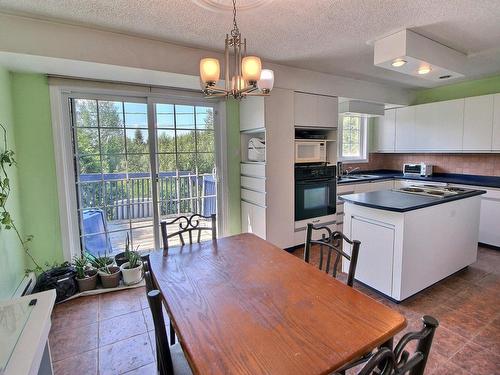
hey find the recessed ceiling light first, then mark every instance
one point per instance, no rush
(424, 70)
(398, 62)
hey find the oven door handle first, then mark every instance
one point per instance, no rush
(311, 182)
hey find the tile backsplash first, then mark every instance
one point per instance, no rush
(478, 164)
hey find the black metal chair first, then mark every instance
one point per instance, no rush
(170, 360)
(188, 225)
(399, 362)
(151, 285)
(333, 243)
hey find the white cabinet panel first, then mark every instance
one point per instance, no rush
(405, 129)
(439, 126)
(375, 261)
(252, 113)
(305, 109)
(489, 232)
(478, 123)
(316, 111)
(385, 133)
(253, 183)
(328, 109)
(253, 197)
(253, 219)
(253, 169)
(373, 186)
(496, 123)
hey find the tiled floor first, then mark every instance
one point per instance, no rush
(112, 333)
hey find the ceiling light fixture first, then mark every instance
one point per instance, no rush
(424, 70)
(247, 78)
(398, 62)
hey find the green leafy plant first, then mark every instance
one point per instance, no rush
(134, 259)
(80, 265)
(6, 221)
(101, 263)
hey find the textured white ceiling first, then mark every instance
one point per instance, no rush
(324, 35)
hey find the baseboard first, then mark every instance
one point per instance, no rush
(493, 247)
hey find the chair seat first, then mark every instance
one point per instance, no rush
(181, 365)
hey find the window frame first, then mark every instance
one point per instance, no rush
(363, 141)
(61, 92)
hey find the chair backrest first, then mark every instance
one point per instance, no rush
(332, 241)
(399, 361)
(188, 225)
(162, 347)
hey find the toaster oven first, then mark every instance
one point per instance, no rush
(420, 169)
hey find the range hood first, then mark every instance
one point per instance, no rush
(360, 108)
(409, 53)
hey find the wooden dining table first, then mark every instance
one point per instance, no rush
(241, 305)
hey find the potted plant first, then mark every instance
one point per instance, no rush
(132, 269)
(100, 261)
(86, 277)
(122, 257)
(108, 272)
(110, 276)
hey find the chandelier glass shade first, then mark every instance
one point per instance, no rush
(246, 78)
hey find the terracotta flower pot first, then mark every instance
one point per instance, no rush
(112, 279)
(89, 282)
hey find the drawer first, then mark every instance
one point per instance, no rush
(345, 189)
(253, 183)
(251, 169)
(253, 197)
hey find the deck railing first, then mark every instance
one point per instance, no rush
(130, 197)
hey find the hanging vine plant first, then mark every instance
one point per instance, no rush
(6, 221)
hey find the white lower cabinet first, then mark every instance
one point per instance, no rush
(373, 186)
(489, 227)
(253, 219)
(374, 268)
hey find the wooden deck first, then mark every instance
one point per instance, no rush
(142, 234)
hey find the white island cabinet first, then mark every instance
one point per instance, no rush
(404, 252)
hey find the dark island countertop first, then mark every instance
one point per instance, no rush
(390, 200)
(450, 178)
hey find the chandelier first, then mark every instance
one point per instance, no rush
(247, 77)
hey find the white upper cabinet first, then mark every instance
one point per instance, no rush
(252, 114)
(439, 126)
(328, 111)
(405, 129)
(478, 123)
(315, 111)
(496, 123)
(470, 124)
(385, 131)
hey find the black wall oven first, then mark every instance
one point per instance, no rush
(315, 191)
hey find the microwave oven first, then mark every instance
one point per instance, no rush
(420, 169)
(310, 151)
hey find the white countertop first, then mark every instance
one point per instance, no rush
(28, 351)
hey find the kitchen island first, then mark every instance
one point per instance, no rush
(411, 240)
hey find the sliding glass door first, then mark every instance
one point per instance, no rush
(137, 163)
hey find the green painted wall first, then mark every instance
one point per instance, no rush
(11, 251)
(36, 165)
(37, 191)
(233, 165)
(490, 85)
